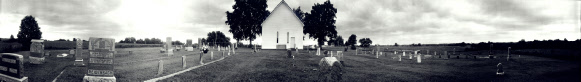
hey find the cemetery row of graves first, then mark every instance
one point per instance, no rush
(103, 62)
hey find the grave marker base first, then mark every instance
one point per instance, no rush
(36, 60)
(5, 78)
(99, 79)
(79, 62)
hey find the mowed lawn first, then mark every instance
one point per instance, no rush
(272, 66)
(142, 64)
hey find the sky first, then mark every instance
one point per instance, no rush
(385, 22)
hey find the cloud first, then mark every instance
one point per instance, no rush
(384, 21)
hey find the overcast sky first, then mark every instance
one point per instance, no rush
(383, 21)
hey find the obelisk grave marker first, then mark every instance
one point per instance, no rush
(78, 53)
(101, 55)
(168, 49)
(36, 51)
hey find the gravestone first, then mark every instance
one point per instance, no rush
(199, 43)
(79, 53)
(508, 56)
(394, 52)
(499, 70)
(101, 55)
(399, 57)
(404, 53)
(490, 55)
(454, 52)
(184, 62)
(169, 50)
(160, 67)
(189, 42)
(318, 51)
(36, 51)
(330, 69)
(419, 58)
(340, 56)
(12, 67)
(189, 48)
(72, 52)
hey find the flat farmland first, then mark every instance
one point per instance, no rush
(273, 66)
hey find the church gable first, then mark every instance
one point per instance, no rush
(282, 12)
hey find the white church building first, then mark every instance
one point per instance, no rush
(282, 29)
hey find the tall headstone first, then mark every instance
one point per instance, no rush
(419, 58)
(403, 53)
(200, 43)
(168, 49)
(79, 53)
(160, 67)
(318, 51)
(12, 67)
(36, 51)
(101, 55)
(508, 56)
(189, 43)
(490, 55)
(454, 52)
(399, 57)
(184, 62)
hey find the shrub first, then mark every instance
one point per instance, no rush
(10, 47)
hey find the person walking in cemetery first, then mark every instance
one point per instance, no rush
(204, 50)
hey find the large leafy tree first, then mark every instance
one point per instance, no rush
(365, 42)
(352, 40)
(28, 30)
(246, 19)
(300, 14)
(218, 38)
(339, 41)
(320, 22)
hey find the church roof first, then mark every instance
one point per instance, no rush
(283, 2)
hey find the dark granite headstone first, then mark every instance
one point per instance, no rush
(11, 65)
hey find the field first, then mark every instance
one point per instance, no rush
(272, 66)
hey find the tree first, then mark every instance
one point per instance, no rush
(320, 23)
(300, 14)
(28, 30)
(147, 41)
(331, 41)
(217, 38)
(74, 39)
(140, 41)
(246, 19)
(395, 44)
(352, 40)
(365, 42)
(12, 39)
(339, 41)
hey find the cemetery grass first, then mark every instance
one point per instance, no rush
(49, 70)
(272, 66)
(141, 65)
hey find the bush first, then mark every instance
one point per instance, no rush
(10, 47)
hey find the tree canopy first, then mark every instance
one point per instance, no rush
(28, 30)
(218, 38)
(320, 22)
(352, 40)
(365, 42)
(246, 19)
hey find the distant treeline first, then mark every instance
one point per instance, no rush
(522, 44)
(147, 41)
(535, 44)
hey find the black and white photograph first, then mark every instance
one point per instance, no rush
(290, 40)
